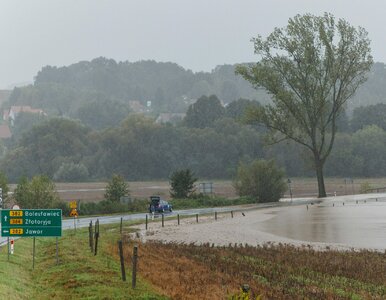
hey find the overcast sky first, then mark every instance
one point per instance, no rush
(196, 34)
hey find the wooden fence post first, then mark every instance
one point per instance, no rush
(96, 236)
(146, 222)
(196, 218)
(135, 258)
(57, 251)
(163, 220)
(33, 254)
(122, 260)
(178, 219)
(92, 238)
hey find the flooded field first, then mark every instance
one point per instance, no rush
(359, 225)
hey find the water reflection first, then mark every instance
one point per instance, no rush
(357, 225)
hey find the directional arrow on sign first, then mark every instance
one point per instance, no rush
(5, 218)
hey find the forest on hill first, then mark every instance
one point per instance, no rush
(89, 130)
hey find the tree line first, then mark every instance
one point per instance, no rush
(98, 92)
(210, 144)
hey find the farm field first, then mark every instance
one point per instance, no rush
(301, 187)
(187, 271)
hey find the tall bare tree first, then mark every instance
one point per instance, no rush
(311, 68)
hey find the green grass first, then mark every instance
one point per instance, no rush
(206, 201)
(79, 274)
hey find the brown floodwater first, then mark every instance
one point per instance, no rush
(360, 225)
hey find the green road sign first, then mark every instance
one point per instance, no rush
(31, 222)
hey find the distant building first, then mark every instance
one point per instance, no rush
(137, 107)
(5, 132)
(4, 95)
(170, 118)
(11, 114)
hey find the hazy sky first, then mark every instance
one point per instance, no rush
(197, 34)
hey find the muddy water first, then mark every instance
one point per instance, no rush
(356, 225)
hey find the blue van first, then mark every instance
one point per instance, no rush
(157, 204)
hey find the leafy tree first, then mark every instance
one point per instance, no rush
(369, 115)
(40, 192)
(369, 144)
(102, 114)
(311, 68)
(24, 122)
(344, 161)
(182, 184)
(5, 188)
(116, 188)
(261, 179)
(204, 112)
(237, 109)
(71, 172)
(47, 145)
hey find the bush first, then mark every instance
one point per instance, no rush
(105, 207)
(102, 207)
(40, 192)
(182, 184)
(365, 187)
(261, 180)
(207, 201)
(116, 188)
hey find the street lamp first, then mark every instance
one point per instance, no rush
(289, 187)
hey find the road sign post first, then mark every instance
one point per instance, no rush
(31, 223)
(12, 246)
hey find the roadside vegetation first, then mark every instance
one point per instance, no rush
(271, 272)
(79, 275)
(170, 270)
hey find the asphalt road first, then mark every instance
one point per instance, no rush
(84, 222)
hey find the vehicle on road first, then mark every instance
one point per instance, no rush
(157, 204)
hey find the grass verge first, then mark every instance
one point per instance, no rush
(79, 274)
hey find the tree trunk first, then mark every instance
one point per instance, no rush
(319, 175)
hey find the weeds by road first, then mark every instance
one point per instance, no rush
(275, 272)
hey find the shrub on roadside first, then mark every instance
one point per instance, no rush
(182, 184)
(261, 180)
(116, 188)
(39, 192)
(209, 201)
(365, 186)
(105, 207)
